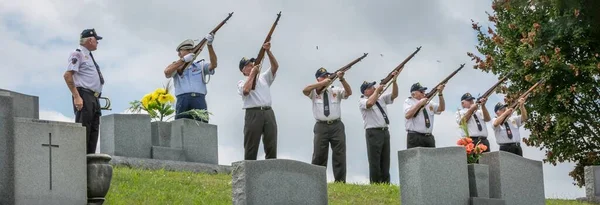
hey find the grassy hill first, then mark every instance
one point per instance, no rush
(135, 186)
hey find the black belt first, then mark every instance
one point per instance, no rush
(426, 134)
(96, 94)
(478, 137)
(259, 108)
(191, 94)
(378, 128)
(329, 122)
(510, 144)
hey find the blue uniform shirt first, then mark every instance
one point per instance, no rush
(191, 78)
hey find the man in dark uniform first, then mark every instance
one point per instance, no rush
(85, 81)
(329, 127)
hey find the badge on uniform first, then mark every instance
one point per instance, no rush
(73, 60)
(431, 108)
(334, 95)
(514, 122)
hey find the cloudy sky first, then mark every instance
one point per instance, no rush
(140, 38)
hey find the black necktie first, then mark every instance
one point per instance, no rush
(326, 103)
(427, 123)
(477, 121)
(508, 132)
(382, 113)
(97, 69)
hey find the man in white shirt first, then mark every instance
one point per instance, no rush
(506, 127)
(375, 119)
(259, 117)
(419, 128)
(329, 127)
(475, 119)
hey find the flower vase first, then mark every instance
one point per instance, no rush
(99, 176)
(479, 180)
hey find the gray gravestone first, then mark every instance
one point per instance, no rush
(167, 153)
(278, 181)
(49, 162)
(198, 140)
(515, 179)
(479, 180)
(592, 183)
(433, 176)
(25, 105)
(486, 201)
(161, 133)
(127, 135)
(6, 149)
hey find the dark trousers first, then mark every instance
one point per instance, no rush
(89, 117)
(259, 122)
(378, 151)
(514, 148)
(325, 134)
(189, 101)
(482, 140)
(416, 139)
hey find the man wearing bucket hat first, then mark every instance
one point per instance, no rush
(259, 116)
(506, 127)
(373, 108)
(329, 127)
(475, 119)
(190, 83)
(419, 128)
(85, 81)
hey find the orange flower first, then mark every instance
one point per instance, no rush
(461, 142)
(482, 147)
(470, 148)
(469, 140)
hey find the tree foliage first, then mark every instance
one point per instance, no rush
(558, 41)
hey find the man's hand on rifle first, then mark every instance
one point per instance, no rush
(255, 69)
(522, 101)
(267, 46)
(325, 82)
(209, 38)
(483, 100)
(441, 88)
(395, 75)
(340, 75)
(189, 57)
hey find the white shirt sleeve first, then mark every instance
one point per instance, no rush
(362, 103)
(74, 61)
(408, 104)
(268, 76)
(240, 86)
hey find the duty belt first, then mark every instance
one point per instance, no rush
(378, 128)
(96, 94)
(426, 134)
(329, 122)
(259, 108)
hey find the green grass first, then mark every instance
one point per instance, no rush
(137, 186)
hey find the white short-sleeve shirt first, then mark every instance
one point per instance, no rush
(417, 124)
(472, 124)
(372, 117)
(261, 95)
(85, 75)
(514, 123)
(335, 96)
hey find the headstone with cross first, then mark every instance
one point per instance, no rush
(43, 162)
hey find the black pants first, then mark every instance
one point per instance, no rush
(482, 140)
(260, 122)
(415, 139)
(378, 151)
(514, 148)
(190, 101)
(333, 133)
(89, 117)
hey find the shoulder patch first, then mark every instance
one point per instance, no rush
(73, 61)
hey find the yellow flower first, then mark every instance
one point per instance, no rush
(146, 99)
(166, 98)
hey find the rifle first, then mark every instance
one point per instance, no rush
(196, 50)
(261, 53)
(489, 91)
(334, 76)
(398, 68)
(516, 102)
(435, 89)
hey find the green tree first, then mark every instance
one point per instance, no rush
(558, 41)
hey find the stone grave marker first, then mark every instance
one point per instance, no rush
(278, 181)
(198, 140)
(592, 183)
(27, 105)
(127, 135)
(515, 179)
(433, 176)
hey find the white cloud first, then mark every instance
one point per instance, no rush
(140, 37)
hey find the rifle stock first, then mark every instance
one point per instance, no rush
(435, 90)
(198, 48)
(334, 76)
(398, 69)
(489, 91)
(261, 53)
